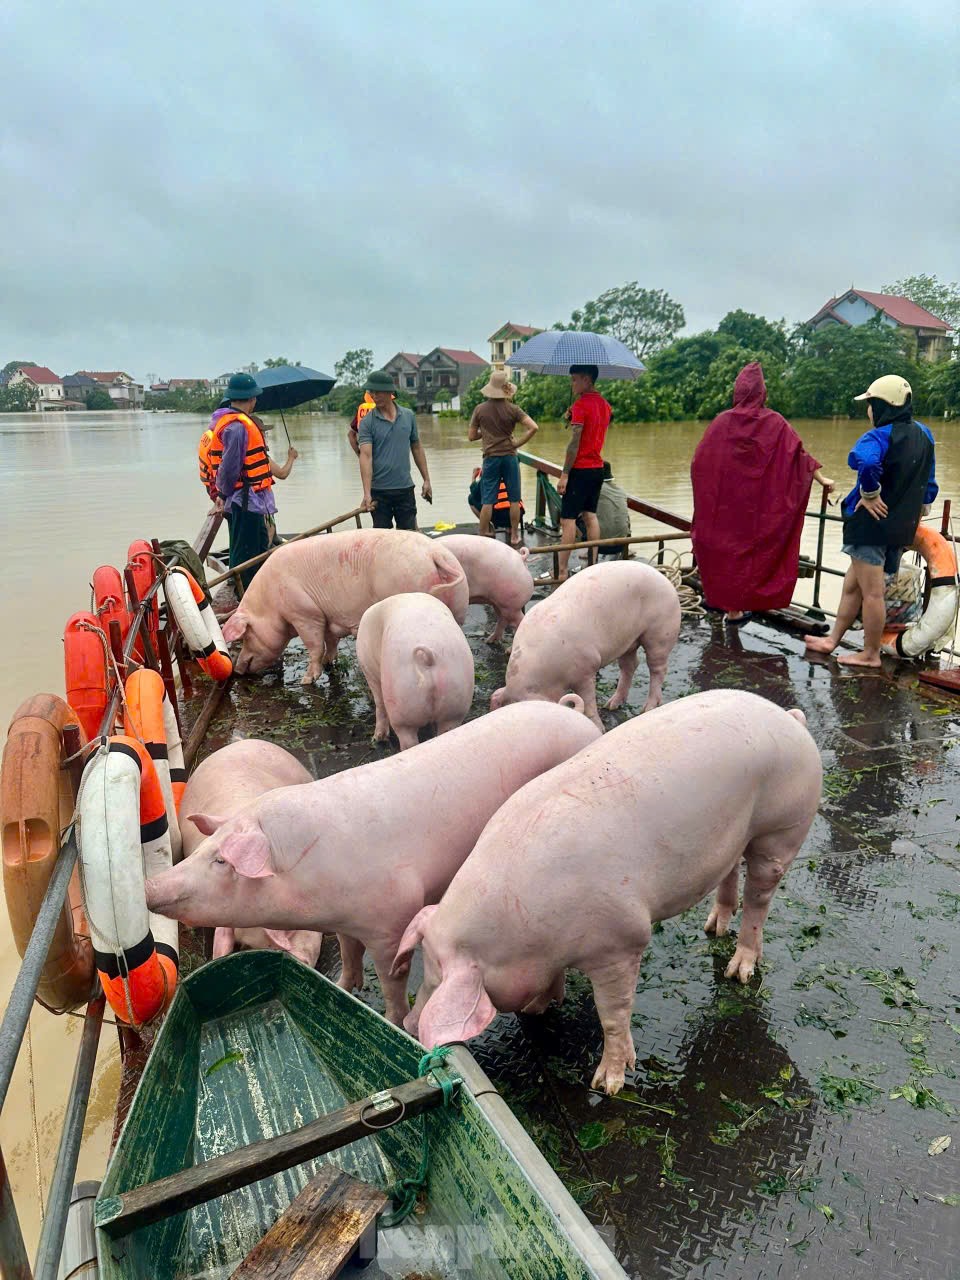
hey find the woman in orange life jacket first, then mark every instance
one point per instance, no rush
(244, 473)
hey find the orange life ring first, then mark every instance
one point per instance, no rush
(36, 804)
(142, 566)
(922, 636)
(124, 838)
(143, 719)
(86, 672)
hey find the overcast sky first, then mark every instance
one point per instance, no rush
(188, 187)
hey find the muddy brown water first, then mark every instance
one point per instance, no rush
(75, 490)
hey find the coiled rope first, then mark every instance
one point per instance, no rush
(691, 603)
(404, 1192)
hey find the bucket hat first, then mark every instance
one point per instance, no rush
(379, 380)
(499, 387)
(242, 387)
(891, 388)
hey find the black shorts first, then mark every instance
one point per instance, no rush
(394, 504)
(583, 492)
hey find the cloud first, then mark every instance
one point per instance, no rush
(195, 186)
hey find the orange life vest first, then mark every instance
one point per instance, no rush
(366, 404)
(255, 474)
(208, 474)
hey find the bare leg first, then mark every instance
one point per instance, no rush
(614, 987)
(496, 634)
(486, 514)
(568, 533)
(313, 633)
(515, 524)
(870, 578)
(351, 963)
(850, 602)
(767, 858)
(381, 729)
(725, 906)
(629, 662)
(394, 989)
(657, 650)
(592, 526)
(330, 642)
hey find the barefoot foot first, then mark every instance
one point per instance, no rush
(820, 644)
(860, 660)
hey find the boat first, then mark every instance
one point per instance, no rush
(257, 1045)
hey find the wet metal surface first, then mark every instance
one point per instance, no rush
(779, 1130)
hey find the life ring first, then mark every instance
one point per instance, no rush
(86, 671)
(124, 838)
(178, 771)
(36, 804)
(937, 619)
(143, 719)
(198, 624)
(143, 569)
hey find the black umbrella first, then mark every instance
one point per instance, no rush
(288, 385)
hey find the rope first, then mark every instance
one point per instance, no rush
(691, 604)
(406, 1190)
(36, 1127)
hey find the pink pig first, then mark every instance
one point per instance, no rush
(497, 575)
(224, 783)
(607, 611)
(575, 869)
(319, 589)
(418, 665)
(359, 853)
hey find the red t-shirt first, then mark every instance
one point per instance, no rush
(593, 414)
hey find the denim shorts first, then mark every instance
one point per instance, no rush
(505, 468)
(888, 557)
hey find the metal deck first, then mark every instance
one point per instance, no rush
(783, 1129)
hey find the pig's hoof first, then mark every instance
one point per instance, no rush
(608, 1080)
(493, 638)
(308, 679)
(742, 965)
(718, 921)
(614, 704)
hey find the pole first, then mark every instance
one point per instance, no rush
(285, 431)
(821, 531)
(307, 533)
(14, 1263)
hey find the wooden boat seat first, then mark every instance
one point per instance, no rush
(332, 1221)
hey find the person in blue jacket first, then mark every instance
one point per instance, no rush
(896, 484)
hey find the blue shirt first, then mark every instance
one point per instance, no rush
(866, 458)
(391, 443)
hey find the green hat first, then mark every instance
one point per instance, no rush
(380, 380)
(243, 387)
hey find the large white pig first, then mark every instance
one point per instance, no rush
(224, 783)
(418, 665)
(361, 852)
(605, 612)
(497, 575)
(319, 589)
(575, 869)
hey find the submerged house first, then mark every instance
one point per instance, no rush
(857, 306)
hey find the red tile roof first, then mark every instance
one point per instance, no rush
(38, 373)
(111, 376)
(904, 311)
(412, 357)
(463, 357)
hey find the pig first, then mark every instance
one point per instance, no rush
(575, 869)
(359, 853)
(223, 783)
(497, 575)
(319, 589)
(607, 611)
(418, 665)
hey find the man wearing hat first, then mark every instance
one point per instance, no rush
(387, 437)
(895, 467)
(244, 474)
(493, 422)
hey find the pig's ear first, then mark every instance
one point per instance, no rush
(235, 627)
(458, 1009)
(205, 823)
(412, 936)
(496, 699)
(224, 941)
(248, 852)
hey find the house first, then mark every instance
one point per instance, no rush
(857, 306)
(507, 340)
(404, 368)
(76, 388)
(447, 370)
(48, 386)
(121, 388)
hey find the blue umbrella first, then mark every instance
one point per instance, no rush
(289, 385)
(557, 349)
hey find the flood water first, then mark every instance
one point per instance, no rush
(75, 490)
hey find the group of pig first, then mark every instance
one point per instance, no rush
(510, 848)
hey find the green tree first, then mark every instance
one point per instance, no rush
(756, 333)
(646, 320)
(943, 391)
(99, 398)
(354, 367)
(545, 397)
(9, 367)
(275, 362)
(838, 362)
(473, 396)
(717, 391)
(943, 300)
(678, 371)
(443, 396)
(19, 399)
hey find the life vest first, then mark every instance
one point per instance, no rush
(503, 502)
(366, 404)
(255, 474)
(208, 472)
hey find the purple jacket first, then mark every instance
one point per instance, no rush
(231, 465)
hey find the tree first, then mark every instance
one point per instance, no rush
(473, 396)
(443, 396)
(275, 362)
(943, 300)
(19, 399)
(679, 371)
(756, 333)
(355, 367)
(943, 392)
(9, 367)
(836, 363)
(99, 398)
(717, 391)
(646, 320)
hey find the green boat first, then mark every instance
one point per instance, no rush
(255, 1046)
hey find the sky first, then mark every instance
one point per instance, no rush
(190, 187)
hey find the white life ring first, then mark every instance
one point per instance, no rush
(198, 624)
(937, 619)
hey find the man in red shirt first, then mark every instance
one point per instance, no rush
(582, 478)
